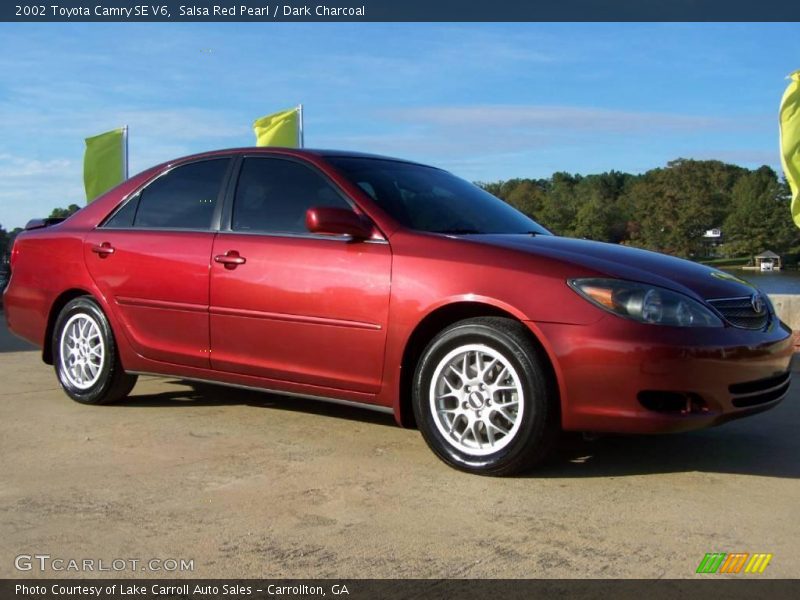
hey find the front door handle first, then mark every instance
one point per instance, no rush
(103, 250)
(230, 260)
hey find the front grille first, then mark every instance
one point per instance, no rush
(739, 312)
(760, 391)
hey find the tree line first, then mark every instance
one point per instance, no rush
(666, 209)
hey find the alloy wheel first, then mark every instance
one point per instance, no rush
(476, 399)
(82, 351)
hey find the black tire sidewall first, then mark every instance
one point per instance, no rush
(97, 393)
(536, 417)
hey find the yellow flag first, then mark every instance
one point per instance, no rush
(279, 129)
(790, 141)
(104, 162)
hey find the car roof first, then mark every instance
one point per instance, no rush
(323, 153)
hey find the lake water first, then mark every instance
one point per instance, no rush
(775, 282)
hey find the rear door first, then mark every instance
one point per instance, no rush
(297, 307)
(151, 261)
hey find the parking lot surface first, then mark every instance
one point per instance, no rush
(246, 484)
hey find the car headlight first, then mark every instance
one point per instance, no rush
(645, 303)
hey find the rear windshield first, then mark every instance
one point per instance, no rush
(429, 199)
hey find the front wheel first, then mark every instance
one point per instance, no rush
(483, 398)
(85, 355)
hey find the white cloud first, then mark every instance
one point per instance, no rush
(561, 118)
(460, 136)
(33, 188)
(20, 167)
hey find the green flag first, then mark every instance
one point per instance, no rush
(280, 129)
(790, 140)
(104, 162)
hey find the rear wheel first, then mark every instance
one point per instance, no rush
(85, 355)
(483, 399)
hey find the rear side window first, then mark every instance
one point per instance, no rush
(273, 195)
(184, 198)
(124, 216)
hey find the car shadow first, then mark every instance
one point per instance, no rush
(194, 393)
(9, 342)
(762, 445)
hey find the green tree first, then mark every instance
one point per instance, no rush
(674, 206)
(560, 208)
(526, 195)
(760, 218)
(4, 249)
(600, 215)
(9, 236)
(63, 213)
(666, 209)
(594, 219)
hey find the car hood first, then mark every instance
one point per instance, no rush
(624, 262)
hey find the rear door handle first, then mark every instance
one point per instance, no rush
(230, 260)
(103, 250)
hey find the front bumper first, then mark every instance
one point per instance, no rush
(625, 377)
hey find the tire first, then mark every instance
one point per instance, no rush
(85, 355)
(501, 422)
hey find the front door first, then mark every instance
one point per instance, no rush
(292, 306)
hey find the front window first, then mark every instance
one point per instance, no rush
(429, 199)
(273, 195)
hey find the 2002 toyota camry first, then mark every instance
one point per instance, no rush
(389, 284)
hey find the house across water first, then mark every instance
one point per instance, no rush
(766, 261)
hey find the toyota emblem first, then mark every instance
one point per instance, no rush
(758, 303)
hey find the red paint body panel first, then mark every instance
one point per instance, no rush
(47, 264)
(332, 318)
(301, 309)
(156, 283)
(602, 368)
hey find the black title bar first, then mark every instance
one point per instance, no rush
(399, 10)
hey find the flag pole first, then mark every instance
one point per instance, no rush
(300, 133)
(125, 152)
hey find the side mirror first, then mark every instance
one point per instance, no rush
(338, 221)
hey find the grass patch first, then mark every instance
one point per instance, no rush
(726, 262)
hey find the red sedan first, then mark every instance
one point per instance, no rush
(392, 285)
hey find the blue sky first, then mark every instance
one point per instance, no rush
(486, 101)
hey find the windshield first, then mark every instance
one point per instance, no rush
(429, 199)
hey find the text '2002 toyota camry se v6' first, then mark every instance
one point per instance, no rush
(393, 285)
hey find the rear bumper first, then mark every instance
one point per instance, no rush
(624, 377)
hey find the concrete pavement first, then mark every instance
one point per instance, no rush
(253, 485)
